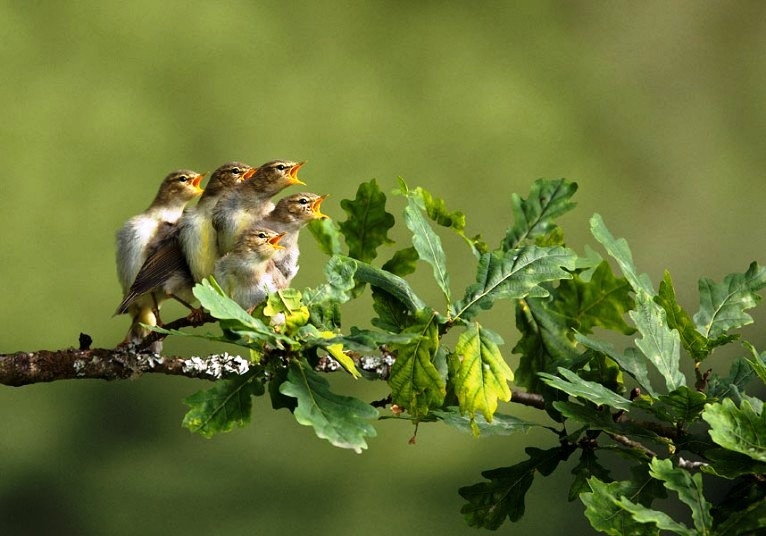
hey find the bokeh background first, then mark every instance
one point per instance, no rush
(655, 108)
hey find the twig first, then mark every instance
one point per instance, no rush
(528, 399)
(624, 440)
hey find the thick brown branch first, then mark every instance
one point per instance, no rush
(25, 368)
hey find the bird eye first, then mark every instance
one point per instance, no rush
(303, 201)
(261, 235)
(236, 170)
(183, 178)
(281, 167)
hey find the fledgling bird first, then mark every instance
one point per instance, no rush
(249, 202)
(168, 270)
(244, 272)
(196, 234)
(137, 236)
(289, 216)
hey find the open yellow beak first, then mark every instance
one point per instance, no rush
(294, 173)
(275, 241)
(315, 208)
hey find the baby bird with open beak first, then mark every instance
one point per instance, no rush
(250, 201)
(244, 272)
(290, 215)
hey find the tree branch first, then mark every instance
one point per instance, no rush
(26, 368)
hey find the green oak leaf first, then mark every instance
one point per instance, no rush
(501, 425)
(482, 374)
(683, 405)
(740, 373)
(586, 468)
(594, 392)
(659, 343)
(661, 520)
(342, 420)
(534, 217)
(689, 490)
(222, 407)
(327, 234)
(490, 503)
(388, 282)
(600, 301)
(631, 361)
(428, 245)
(739, 429)
(544, 343)
(324, 301)
(692, 340)
(368, 223)
(723, 305)
(415, 382)
(513, 274)
(403, 262)
(235, 319)
(743, 509)
(729, 464)
(605, 512)
(437, 211)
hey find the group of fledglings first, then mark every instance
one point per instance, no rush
(234, 233)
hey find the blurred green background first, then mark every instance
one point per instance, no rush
(656, 109)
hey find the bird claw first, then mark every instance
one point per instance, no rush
(197, 316)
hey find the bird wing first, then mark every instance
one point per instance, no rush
(161, 265)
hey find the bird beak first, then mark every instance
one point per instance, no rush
(315, 208)
(249, 173)
(294, 173)
(275, 241)
(196, 182)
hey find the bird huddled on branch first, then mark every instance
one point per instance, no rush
(235, 233)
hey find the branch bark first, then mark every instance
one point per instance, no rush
(26, 368)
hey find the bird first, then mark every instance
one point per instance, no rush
(250, 201)
(244, 274)
(196, 234)
(138, 236)
(168, 270)
(289, 216)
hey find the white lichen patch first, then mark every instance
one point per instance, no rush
(217, 365)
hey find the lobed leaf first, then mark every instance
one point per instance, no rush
(403, 262)
(689, 490)
(368, 223)
(659, 343)
(415, 382)
(513, 274)
(594, 392)
(587, 467)
(534, 217)
(739, 429)
(327, 234)
(482, 374)
(606, 513)
(723, 305)
(437, 211)
(631, 362)
(681, 406)
(693, 341)
(490, 503)
(544, 343)
(600, 301)
(342, 420)
(501, 425)
(222, 407)
(428, 245)
(324, 301)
